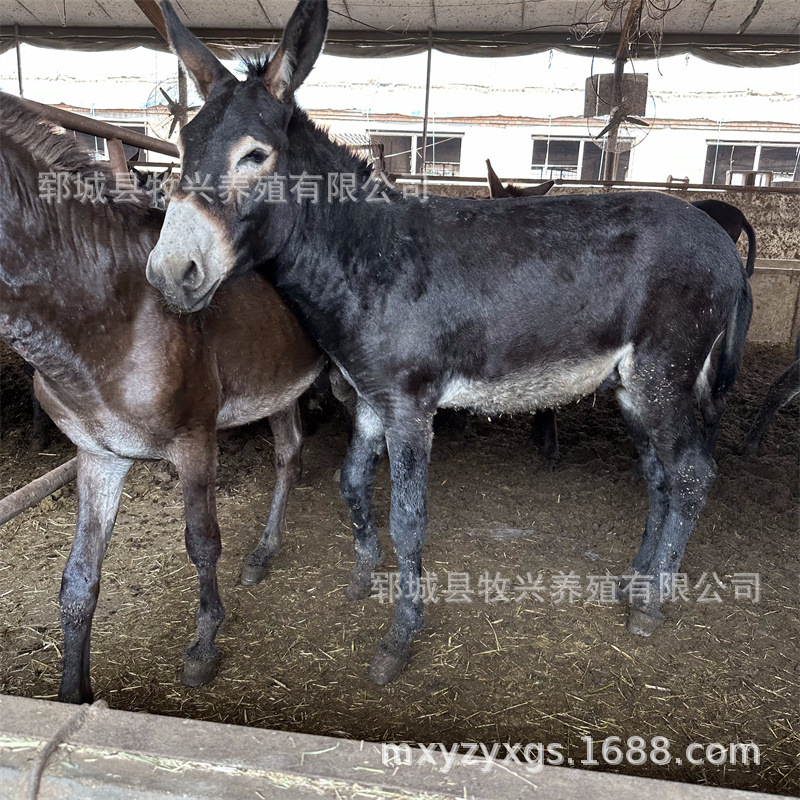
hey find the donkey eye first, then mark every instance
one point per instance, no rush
(254, 157)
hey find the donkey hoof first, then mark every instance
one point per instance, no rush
(252, 574)
(360, 586)
(358, 589)
(76, 697)
(199, 673)
(386, 666)
(642, 624)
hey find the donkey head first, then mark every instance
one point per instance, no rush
(237, 141)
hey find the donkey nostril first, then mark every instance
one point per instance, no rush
(193, 276)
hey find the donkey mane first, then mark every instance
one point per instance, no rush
(329, 156)
(52, 150)
(255, 65)
(42, 140)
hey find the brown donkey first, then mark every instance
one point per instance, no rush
(124, 378)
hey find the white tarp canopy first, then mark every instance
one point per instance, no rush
(739, 32)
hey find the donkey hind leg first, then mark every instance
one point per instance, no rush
(653, 472)
(711, 406)
(358, 478)
(195, 460)
(287, 433)
(780, 393)
(689, 471)
(100, 480)
(409, 443)
(544, 437)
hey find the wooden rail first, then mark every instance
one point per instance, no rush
(28, 496)
(104, 130)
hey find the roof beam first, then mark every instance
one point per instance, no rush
(751, 16)
(152, 11)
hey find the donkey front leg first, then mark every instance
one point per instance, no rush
(195, 460)
(409, 444)
(100, 480)
(358, 479)
(544, 437)
(287, 433)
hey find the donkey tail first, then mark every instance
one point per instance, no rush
(732, 349)
(751, 247)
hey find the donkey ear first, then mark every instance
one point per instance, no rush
(299, 49)
(204, 67)
(542, 188)
(495, 187)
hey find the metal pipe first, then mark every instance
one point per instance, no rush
(19, 59)
(93, 127)
(427, 102)
(675, 187)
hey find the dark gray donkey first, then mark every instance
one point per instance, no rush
(785, 388)
(502, 305)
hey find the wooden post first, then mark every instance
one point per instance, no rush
(621, 57)
(119, 164)
(611, 155)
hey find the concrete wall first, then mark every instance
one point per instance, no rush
(54, 751)
(776, 301)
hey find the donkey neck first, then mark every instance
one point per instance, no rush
(312, 151)
(332, 244)
(72, 275)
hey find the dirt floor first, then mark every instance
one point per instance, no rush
(296, 651)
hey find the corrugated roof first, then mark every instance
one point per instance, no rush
(402, 25)
(401, 16)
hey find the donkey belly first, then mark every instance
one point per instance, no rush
(256, 400)
(543, 386)
(92, 426)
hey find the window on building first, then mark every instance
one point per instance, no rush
(574, 159)
(556, 158)
(781, 161)
(724, 157)
(442, 155)
(397, 151)
(97, 145)
(403, 153)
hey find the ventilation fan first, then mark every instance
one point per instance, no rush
(166, 93)
(617, 127)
